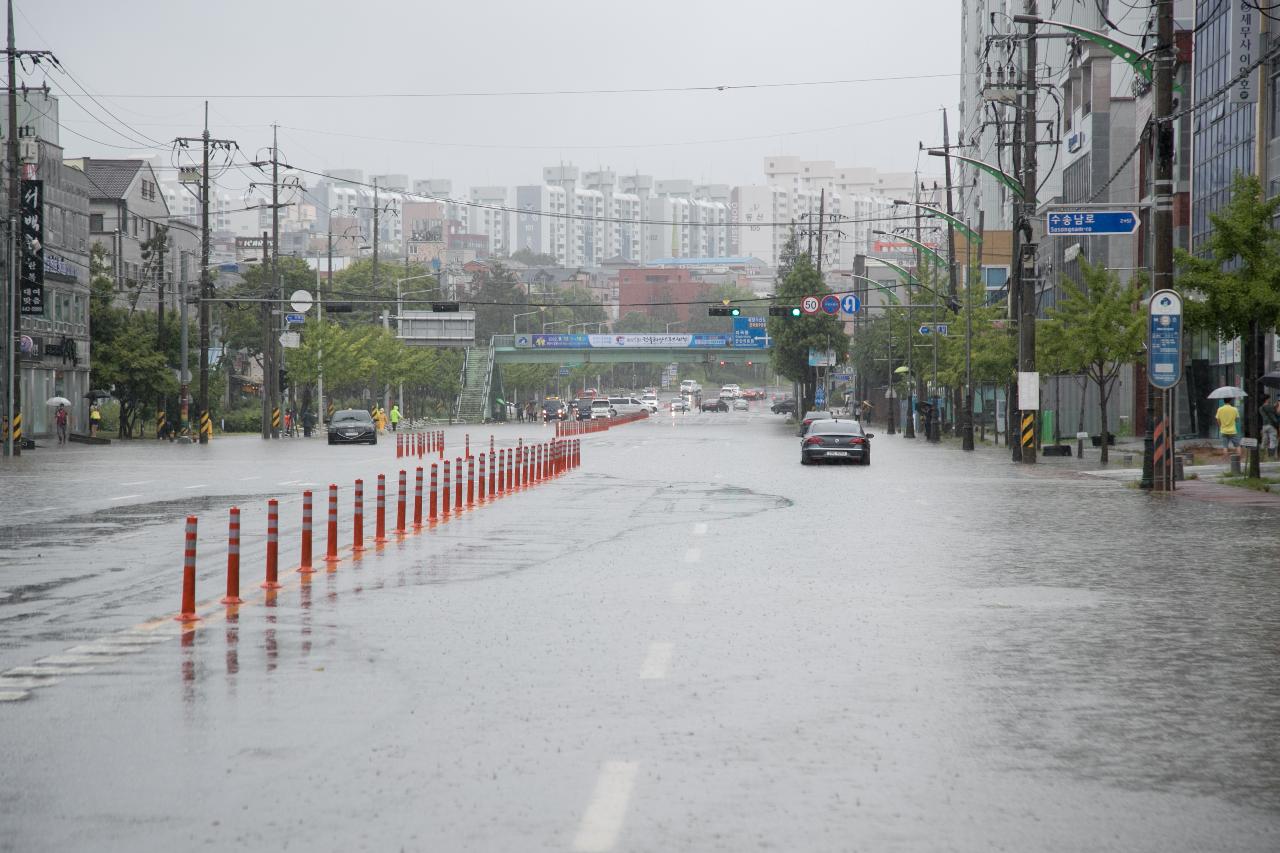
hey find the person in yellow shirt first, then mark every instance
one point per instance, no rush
(1228, 426)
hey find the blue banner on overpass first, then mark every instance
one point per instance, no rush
(643, 341)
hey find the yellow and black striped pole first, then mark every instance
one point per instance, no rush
(1028, 434)
(160, 420)
(275, 420)
(206, 427)
(17, 431)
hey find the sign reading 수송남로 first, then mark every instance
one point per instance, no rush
(1092, 222)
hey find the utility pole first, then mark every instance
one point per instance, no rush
(966, 432)
(265, 314)
(1162, 230)
(11, 324)
(375, 235)
(203, 424)
(1026, 258)
(822, 218)
(274, 288)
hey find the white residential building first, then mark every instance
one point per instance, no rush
(490, 218)
(542, 221)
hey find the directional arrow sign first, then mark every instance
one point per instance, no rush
(295, 318)
(926, 330)
(1092, 222)
(809, 305)
(850, 304)
(831, 304)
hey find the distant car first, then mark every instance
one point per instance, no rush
(716, 405)
(836, 440)
(650, 402)
(624, 405)
(352, 426)
(810, 417)
(554, 410)
(679, 404)
(783, 407)
(580, 409)
(741, 405)
(734, 391)
(600, 408)
(753, 394)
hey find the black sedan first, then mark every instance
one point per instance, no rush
(784, 407)
(836, 440)
(352, 426)
(554, 410)
(714, 405)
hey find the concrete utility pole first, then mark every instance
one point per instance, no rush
(265, 314)
(375, 235)
(1161, 229)
(204, 425)
(275, 289)
(1025, 259)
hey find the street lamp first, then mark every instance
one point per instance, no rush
(546, 326)
(676, 323)
(515, 317)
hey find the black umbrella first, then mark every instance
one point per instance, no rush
(98, 395)
(1272, 379)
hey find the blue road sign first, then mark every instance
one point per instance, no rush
(564, 371)
(820, 397)
(294, 318)
(850, 304)
(927, 329)
(831, 304)
(842, 377)
(1092, 222)
(1164, 351)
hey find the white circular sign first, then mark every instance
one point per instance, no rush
(809, 305)
(300, 300)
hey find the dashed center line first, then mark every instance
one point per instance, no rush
(657, 662)
(247, 479)
(693, 555)
(602, 822)
(136, 483)
(123, 497)
(197, 486)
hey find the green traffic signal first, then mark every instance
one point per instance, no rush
(795, 312)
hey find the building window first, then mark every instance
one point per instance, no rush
(95, 222)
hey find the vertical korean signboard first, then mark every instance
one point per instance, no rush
(1244, 35)
(1164, 349)
(31, 233)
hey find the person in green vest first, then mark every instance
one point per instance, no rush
(395, 416)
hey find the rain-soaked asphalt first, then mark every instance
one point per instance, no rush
(689, 643)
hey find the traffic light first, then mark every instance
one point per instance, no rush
(723, 311)
(784, 311)
(444, 307)
(337, 307)
(283, 376)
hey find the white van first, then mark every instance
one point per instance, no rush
(625, 405)
(650, 402)
(601, 408)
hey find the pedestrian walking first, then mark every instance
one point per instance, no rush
(395, 417)
(95, 420)
(288, 422)
(1228, 417)
(60, 418)
(519, 414)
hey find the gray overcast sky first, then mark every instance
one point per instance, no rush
(151, 62)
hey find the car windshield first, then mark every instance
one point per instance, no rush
(352, 417)
(835, 427)
(599, 404)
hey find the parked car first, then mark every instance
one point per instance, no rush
(716, 405)
(836, 440)
(352, 426)
(783, 407)
(601, 408)
(810, 417)
(741, 405)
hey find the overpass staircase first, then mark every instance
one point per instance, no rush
(475, 385)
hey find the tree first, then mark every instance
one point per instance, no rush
(1096, 331)
(1236, 288)
(794, 336)
(530, 258)
(498, 296)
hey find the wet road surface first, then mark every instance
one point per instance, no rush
(689, 643)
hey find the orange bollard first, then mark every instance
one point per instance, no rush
(493, 471)
(457, 484)
(481, 480)
(233, 559)
(422, 445)
(380, 522)
(273, 545)
(448, 483)
(357, 511)
(417, 500)
(515, 471)
(305, 565)
(399, 446)
(466, 451)
(188, 612)
(331, 548)
(435, 485)
(471, 481)
(491, 444)
(401, 497)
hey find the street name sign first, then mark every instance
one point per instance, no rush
(1164, 349)
(943, 329)
(1088, 223)
(820, 396)
(295, 318)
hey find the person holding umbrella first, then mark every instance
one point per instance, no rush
(1228, 417)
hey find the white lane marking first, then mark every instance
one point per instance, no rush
(680, 592)
(657, 662)
(104, 649)
(14, 695)
(602, 822)
(73, 660)
(247, 479)
(288, 482)
(136, 482)
(123, 497)
(38, 509)
(693, 555)
(18, 682)
(197, 486)
(47, 671)
(700, 529)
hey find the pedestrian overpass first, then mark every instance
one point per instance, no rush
(482, 365)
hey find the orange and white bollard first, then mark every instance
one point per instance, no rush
(435, 485)
(417, 499)
(331, 545)
(446, 499)
(493, 472)
(457, 484)
(401, 497)
(304, 565)
(188, 612)
(357, 512)
(471, 481)
(380, 521)
(515, 471)
(481, 481)
(466, 450)
(233, 559)
(273, 545)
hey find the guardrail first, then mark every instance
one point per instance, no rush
(569, 428)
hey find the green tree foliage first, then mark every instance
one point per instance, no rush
(1235, 290)
(1095, 331)
(369, 299)
(530, 258)
(498, 296)
(794, 336)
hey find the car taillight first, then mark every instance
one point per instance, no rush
(813, 439)
(857, 441)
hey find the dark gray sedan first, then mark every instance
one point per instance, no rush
(352, 426)
(836, 440)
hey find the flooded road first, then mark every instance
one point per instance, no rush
(691, 642)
